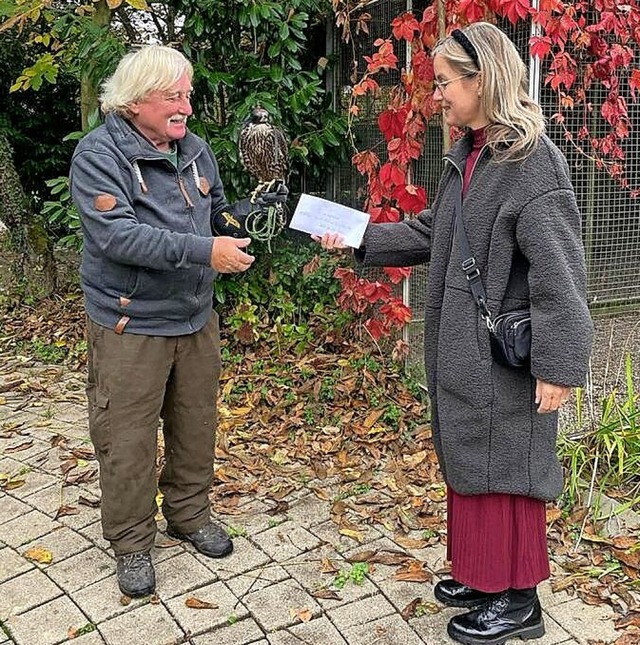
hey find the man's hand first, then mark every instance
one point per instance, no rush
(550, 397)
(227, 255)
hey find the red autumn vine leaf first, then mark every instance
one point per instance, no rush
(391, 175)
(366, 85)
(385, 213)
(405, 26)
(634, 82)
(397, 274)
(384, 58)
(410, 198)
(397, 312)
(540, 46)
(473, 10)
(515, 10)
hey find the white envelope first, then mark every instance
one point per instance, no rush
(317, 216)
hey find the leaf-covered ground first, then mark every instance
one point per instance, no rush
(342, 420)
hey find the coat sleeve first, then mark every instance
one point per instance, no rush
(101, 192)
(549, 235)
(397, 244)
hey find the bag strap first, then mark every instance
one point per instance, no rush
(469, 265)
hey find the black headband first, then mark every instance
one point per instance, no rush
(466, 44)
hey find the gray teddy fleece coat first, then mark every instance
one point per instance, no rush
(523, 226)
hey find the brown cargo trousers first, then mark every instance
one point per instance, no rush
(133, 382)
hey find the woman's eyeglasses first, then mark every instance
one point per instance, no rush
(442, 85)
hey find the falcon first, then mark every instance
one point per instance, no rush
(263, 152)
(263, 147)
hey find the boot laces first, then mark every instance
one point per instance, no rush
(135, 561)
(494, 608)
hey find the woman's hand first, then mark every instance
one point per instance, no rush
(550, 397)
(330, 241)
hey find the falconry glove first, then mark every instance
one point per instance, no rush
(260, 216)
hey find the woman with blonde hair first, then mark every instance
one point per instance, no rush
(503, 234)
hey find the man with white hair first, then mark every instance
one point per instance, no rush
(157, 231)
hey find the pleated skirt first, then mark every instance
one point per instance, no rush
(497, 541)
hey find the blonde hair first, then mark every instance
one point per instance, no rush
(150, 68)
(516, 121)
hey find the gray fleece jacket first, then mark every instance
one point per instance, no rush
(523, 226)
(146, 262)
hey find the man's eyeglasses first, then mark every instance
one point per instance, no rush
(177, 97)
(442, 85)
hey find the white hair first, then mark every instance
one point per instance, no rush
(148, 69)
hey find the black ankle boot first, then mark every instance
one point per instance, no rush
(454, 594)
(513, 613)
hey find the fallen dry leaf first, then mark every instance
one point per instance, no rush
(23, 445)
(410, 610)
(414, 571)
(196, 603)
(38, 554)
(326, 594)
(66, 510)
(304, 614)
(630, 619)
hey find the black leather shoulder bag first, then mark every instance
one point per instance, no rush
(510, 332)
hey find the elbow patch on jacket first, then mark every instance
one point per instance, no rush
(104, 202)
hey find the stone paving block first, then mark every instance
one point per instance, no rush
(255, 518)
(47, 624)
(93, 533)
(47, 462)
(25, 592)
(319, 631)
(286, 541)
(34, 481)
(63, 543)
(9, 465)
(11, 508)
(390, 630)
(82, 569)
(548, 598)
(360, 612)
(92, 638)
(180, 574)
(26, 528)
(330, 532)
(432, 627)
(585, 622)
(148, 624)
(199, 621)
(275, 607)
(12, 564)
(436, 558)
(101, 600)
(245, 557)
(307, 570)
(400, 593)
(50, 499)
(309, 511)
(240, 633)
(256, 579)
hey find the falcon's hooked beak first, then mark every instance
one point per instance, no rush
(259, 115)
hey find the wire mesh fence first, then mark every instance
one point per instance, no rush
(611, 215)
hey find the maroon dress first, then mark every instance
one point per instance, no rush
(495, 541)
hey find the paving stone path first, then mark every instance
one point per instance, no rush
(262, 594)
